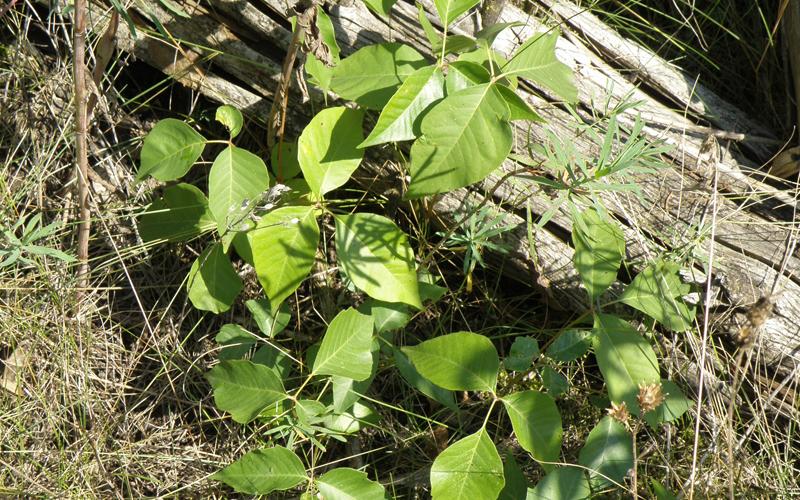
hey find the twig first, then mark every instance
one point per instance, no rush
(82, 159)
(7, 7)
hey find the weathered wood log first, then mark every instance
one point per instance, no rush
(231, 51)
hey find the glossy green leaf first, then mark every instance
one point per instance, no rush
(516, 486)
(235, 341)
(179, 215)
(349, 484)
(463, 74)
(372, 74)
(536, 60)
(284, 245)
(461, 361)
(284, 162)
(400, 119)
(346, 347)
(261, 472)
(492, 61)
(431, 33)
(236, 175)
(376, 256)
(269, 322)
(347, 391)
(232, 119)
(328, 148)
(319, 72)
(570, 345)
(449, 10)
(563, 483)
(213, 283)
(244, 389)
(469, 468)
(608, 453)
(380, 7)
(523, 351)
(537, 424)
(361, 415)
(555, 383)
(420, 383)
(599, 248)
(520, 109)
(388, 316)
(170, 150)
(465, 137)
(625, 359)
(657, 292)
(674, 406)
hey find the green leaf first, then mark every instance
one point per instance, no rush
(274, 359)
(284, 245)
(608, 453)
(460, 361)
(372, 74)
(232, 119)
(179, 215)
(213, 283)
(465, 137)
(661, 492)
(564, 483)
(523, 350)
(599, 248)
(433, 36)
(625, 359)
(516, 485)
(388, 316)
(449, 10)
(345, 484)
(464, 74)
(328, 148)
(269, 322)
(520, 109)
(170, 150)
(320, 73)
(536, 61)
(420, 383)
(380, 7)
(346, 347)
(570, 345)
(236, 175)
(235, 341)
(469, 468)
(537, 424)
(244, 389)
(657, 292)
(555, 383)
(489, 33)
(400, 119)
(376, 256)
(492, 61)
(288, 166)
(347, 391)
(261, 472)
(359, 416)
(674, 406)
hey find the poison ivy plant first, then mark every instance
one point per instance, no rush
(457, 113)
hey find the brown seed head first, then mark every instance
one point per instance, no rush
(619, 412)
(650, 397)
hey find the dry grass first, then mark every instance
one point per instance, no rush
(114, 402)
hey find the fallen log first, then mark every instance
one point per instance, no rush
(232, 51)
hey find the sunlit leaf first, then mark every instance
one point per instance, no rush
(608, 453)
(244, 389)
(461, 361)
(170, 150)
(599, 249)
(232, 119)
(536, 60)
(179, 215)
(537, 424)
(213, 283)
(657, 292)
(236, 176)
(469, 468)
(346, 347)
(261, 472)
(349, 484)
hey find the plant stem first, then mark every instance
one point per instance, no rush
(82, 159)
